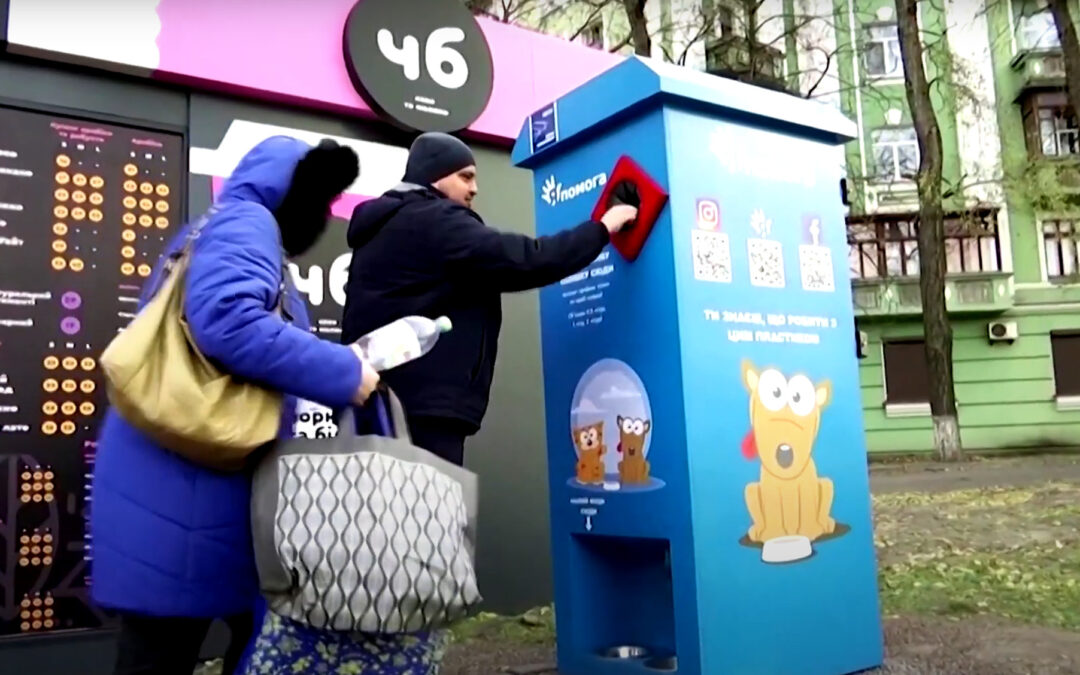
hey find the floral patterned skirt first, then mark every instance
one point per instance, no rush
(285, 647)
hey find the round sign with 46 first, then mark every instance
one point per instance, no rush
(425, 65)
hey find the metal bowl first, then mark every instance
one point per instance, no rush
(664, 663)
(626, 652)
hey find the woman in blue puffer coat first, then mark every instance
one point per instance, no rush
(170, 540)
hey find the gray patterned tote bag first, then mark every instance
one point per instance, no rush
(365, 533)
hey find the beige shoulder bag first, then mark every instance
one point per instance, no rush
(159, 382)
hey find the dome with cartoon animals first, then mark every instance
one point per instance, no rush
(611, 426)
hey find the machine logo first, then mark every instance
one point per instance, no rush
(553, 192)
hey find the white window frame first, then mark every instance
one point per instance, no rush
(1040, 224)
(886, 44)
(1037, 31)
(896, 175)
(1060, 133)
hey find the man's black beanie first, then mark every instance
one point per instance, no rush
(436, 155)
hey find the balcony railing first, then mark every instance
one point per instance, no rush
(1040, 69)
(887, 247)
(745, 60)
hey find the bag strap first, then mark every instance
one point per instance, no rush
(173, 260)
(184, 252)
(189, 240)
(389, 404)
(346, 424)
(388, 411)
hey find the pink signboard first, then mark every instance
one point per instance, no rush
(281, 50)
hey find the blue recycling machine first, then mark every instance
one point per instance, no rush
(710, 506)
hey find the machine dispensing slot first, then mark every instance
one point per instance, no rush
(627, 594)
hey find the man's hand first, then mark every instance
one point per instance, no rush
(369, 379)
(618, 216)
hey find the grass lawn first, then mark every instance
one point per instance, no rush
(1012, 553)
(1007, 552)
(972, 580)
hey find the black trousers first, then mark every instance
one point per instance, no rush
(151, 645)
(442, 436)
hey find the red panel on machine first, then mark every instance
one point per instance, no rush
(648, 194)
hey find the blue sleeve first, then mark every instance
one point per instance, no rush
(231, 289)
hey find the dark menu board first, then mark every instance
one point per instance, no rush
(85, 211)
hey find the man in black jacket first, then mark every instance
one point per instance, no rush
(421, 250)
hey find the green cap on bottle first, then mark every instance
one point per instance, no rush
(443, 324)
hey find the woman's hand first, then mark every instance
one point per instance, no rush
(369, 379)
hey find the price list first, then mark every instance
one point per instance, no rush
(85, 211)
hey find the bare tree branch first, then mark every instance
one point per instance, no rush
(823, 74)
(589, 21)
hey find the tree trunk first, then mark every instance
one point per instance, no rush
(639, 27)
(1070, 48)
(750, 8)
(932, 268)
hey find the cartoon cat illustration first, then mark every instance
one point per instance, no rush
(633, 469)
(590, 445)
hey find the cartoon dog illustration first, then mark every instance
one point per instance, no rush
(633, 469)
(785, 415)
(590, 444)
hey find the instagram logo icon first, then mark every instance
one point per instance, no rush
(708, 214)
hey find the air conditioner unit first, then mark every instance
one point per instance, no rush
(862, 343)
(1002, 331)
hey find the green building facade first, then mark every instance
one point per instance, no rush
(1011, 145)
(1010, 141)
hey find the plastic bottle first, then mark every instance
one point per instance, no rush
(402, 341)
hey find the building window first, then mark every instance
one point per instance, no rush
(1060, 239)
(883, 52)
(1036, 30)
(883, 249)
(1065, 351)
(592, 35)
(888, 245)
(896, 151)
(744, 60)
(907, 379)
(1058, 131)
(725, 22)
(1050, 126)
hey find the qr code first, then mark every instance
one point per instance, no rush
(815, 263)
(712, 256)
(766, 263)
